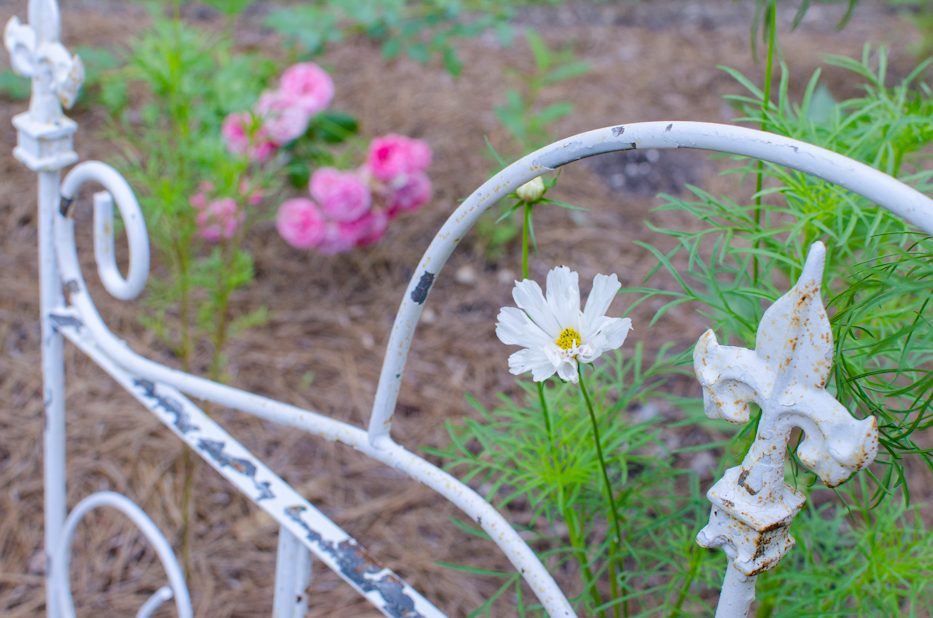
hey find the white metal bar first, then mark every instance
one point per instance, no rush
(292, 577)
(159, 598)
(738, 594)
(53, 375)
(882, 189)
(316, 532)
(176, 577)
(493, 523)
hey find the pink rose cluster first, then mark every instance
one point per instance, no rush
(280, 115)
(218, 218)
(353, 208)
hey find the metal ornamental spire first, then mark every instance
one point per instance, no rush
(785, 375)
(45, 134)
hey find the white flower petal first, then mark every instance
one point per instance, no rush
(514, 327)
(567, 370)
(528, 296)
(533, 360)
(563, 296)
(615, 330)
(605, 288)
(609, 335)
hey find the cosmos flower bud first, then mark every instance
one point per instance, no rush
(531, 191)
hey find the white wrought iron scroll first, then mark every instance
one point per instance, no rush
(834, 447)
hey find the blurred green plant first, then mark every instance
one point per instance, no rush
(167, 103)
(861, 551)
(879, 270)
(528, 121)
(421, 29)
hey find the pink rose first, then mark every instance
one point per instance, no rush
(337, 238)
(308, 85)
(198, 200)
(370, 228)
(343, 196)
(394, 155)
(283, 117)
(345, 235)
(410, 195)
(243, 138)
(219, 219)
(300, 223)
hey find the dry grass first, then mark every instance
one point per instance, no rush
(331, 316)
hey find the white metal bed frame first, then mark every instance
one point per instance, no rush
(752, 506)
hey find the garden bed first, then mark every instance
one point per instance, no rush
(330, 316)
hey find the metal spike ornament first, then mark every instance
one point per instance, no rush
(785, 375)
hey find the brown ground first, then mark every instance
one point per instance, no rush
(331, 316)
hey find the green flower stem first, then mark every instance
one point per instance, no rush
(613, 509)
(578, 545)
(765, 103)
(526, 233)
(577, 537)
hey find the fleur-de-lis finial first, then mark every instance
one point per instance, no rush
(785, 375)
(35, 52)
(45, 135)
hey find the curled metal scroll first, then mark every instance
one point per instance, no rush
(177, 589)
(119, 191)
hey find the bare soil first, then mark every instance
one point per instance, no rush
(331, 316)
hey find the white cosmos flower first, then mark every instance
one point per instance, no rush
(553, 331)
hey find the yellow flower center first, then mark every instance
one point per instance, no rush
(568, 338)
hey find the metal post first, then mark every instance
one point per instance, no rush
(738, 594)
(45, 146)
(53, 371)
(292, 577)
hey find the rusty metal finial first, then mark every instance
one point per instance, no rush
(785, 375)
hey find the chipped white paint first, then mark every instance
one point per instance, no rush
(785, 375)
(45, 146)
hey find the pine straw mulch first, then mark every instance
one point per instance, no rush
(323, 347)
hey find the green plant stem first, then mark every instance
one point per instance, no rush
(188, 462)
(688, 580)
(221, 329)
(613, 509)
(578, 545)
(765, 103)
(526, 233)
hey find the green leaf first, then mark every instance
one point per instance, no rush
(452, 62)
(333, 127)
(231, 8)
(14, 87)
